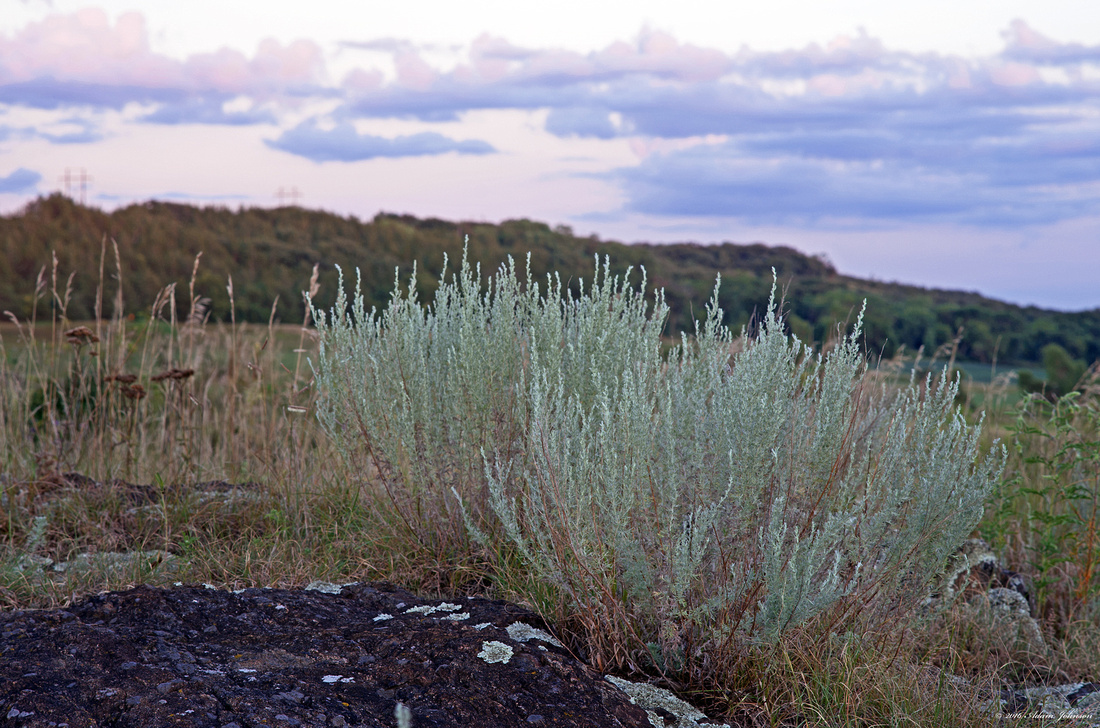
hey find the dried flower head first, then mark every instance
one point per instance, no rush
(80, 335)
(173, 373)
(134, 391)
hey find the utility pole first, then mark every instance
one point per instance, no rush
(70, 180)
(293, 193)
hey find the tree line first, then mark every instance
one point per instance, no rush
(270, 254)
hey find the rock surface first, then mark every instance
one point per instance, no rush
(327, 656)
(975, 567)
(193, 656)
(1002, 600)
(991, 594)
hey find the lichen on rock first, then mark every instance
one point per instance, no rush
(494, 651)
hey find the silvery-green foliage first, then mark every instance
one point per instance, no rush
(37, 534)
(419, 391)
(791, 468)
(736, 485)
(594, 360)
(27, 560)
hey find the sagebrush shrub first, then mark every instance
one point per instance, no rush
(679, 501)
(416, 393)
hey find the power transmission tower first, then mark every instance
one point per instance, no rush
(293, 193)
(71, 180)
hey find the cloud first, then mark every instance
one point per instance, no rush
(119, 200)
(207, 111)
(843, 55)
(659, 80)
(22, 181)
(192, 196)
(847, 131)
(71, 130)
(85, 47)
(343, 143)
(499, 75)
(723, 180)
(587, 122)
(1027, 44)
(297, 67)
(51, 93)
(81, 59)
(86, 135)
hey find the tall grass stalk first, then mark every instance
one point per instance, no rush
(134, 397)
(111, 431)
(1047, 514)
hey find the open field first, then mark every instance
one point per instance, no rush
(153, 407)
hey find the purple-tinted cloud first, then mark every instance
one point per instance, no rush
(171, 195)
(22, 180)
(722, 180)
(585, 122)
(51, 93)
(88, 133)
(500, 76)
(844, 55)
(657, 95)
(1026, 44)
(83, 60)
(344, 144)
(851, 129)
(207, 111)
(85, 136)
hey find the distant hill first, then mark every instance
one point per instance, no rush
(271, 252)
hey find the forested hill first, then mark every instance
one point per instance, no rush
(271, 252)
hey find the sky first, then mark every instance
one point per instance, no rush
(948, 143)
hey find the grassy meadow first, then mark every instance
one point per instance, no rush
(140, 396)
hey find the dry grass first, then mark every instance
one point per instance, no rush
(231, 403)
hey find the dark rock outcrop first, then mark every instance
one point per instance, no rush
(194, 656)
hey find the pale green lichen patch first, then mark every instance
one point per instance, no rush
(328, 587)
(650, 698)
(429, 609)
(403, 715)
(521, 632)
(383, 617)
(458, 617)
(495, 652)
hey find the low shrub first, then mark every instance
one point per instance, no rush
(680, 504)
